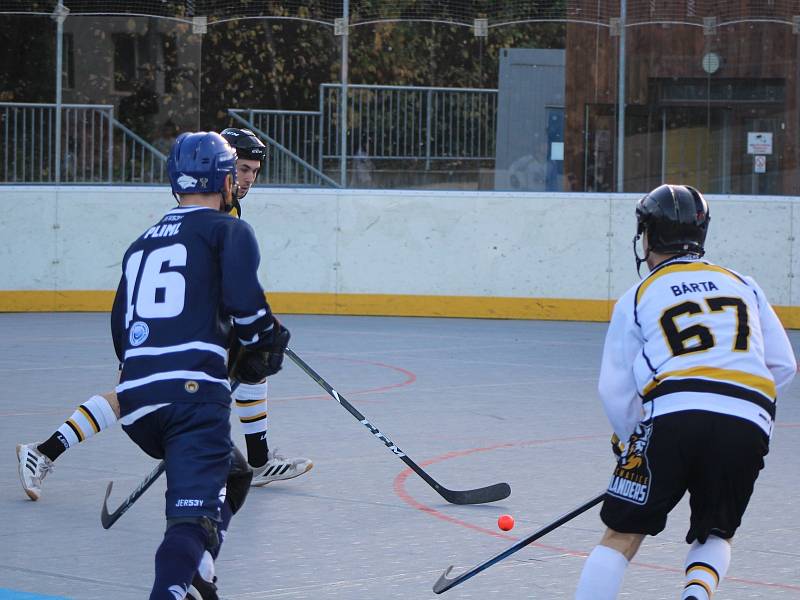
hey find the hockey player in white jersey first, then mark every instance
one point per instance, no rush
(694, 361)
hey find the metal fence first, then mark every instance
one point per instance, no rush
(397, 123)
(410, 123)
(95, 147)
(291, 143)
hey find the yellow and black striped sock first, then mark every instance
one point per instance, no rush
(251, 406)
(706, 565)
(93, 416)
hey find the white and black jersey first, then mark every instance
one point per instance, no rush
(694, 336)
(185, 282)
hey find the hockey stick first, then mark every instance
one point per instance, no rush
(109, 518)
(444, 583)
(491, 493)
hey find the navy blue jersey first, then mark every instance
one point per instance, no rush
(185, 282)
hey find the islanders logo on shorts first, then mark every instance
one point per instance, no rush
(138, 334)
(631, 479)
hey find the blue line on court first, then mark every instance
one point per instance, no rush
(6, 594)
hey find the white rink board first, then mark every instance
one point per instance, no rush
(539, 245)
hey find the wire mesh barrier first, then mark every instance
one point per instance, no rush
(496, 12)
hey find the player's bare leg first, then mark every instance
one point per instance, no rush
(267, 464)
(36, 459)
(605, 566)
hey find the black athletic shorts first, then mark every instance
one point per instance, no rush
(715, 457)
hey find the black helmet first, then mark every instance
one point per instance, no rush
(675, 218)
(246, 144)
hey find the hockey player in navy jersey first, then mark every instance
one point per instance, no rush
(694, 360)
(186, 281)
(101, 411)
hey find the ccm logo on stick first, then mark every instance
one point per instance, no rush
(376, 432)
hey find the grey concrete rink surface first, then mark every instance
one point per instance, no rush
(475, 401)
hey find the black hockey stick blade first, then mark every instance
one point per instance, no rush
(444, 582)
(491, 493)
(109, 518)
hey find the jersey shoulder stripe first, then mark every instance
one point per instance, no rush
(682, 267)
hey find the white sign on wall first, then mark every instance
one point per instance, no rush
(759, 142)
(760, 164)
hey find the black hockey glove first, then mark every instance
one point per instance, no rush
(264, 359)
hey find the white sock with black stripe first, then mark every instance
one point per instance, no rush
(91, 417)
(706, 565)
(251, 407)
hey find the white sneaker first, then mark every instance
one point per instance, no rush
(279, 467)
(33, 467)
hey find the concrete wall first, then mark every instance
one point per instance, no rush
(483, 254)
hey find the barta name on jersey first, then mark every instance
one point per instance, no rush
(694, 287)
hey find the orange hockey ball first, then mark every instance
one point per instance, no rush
(505, 522)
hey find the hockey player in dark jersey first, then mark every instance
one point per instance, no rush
(101, 411)
(186, 282)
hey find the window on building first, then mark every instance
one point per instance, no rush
(125, 61)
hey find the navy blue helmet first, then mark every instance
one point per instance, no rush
(199, 163)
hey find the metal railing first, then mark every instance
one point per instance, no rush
(283, 165)
(95, 147)
(410, 123)
(398, 123)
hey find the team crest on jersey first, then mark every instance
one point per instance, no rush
(203, 182)
(139, 333)
(191, 386)
(186, 181)
(631, 480)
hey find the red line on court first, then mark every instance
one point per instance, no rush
(410, 378)
(400, 491)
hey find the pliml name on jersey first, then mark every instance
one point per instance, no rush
(688, 288)
(165, 230)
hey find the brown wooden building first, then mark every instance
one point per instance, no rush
(696, 84)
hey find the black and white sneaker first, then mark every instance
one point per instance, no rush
(33, 467)
(279, 467)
